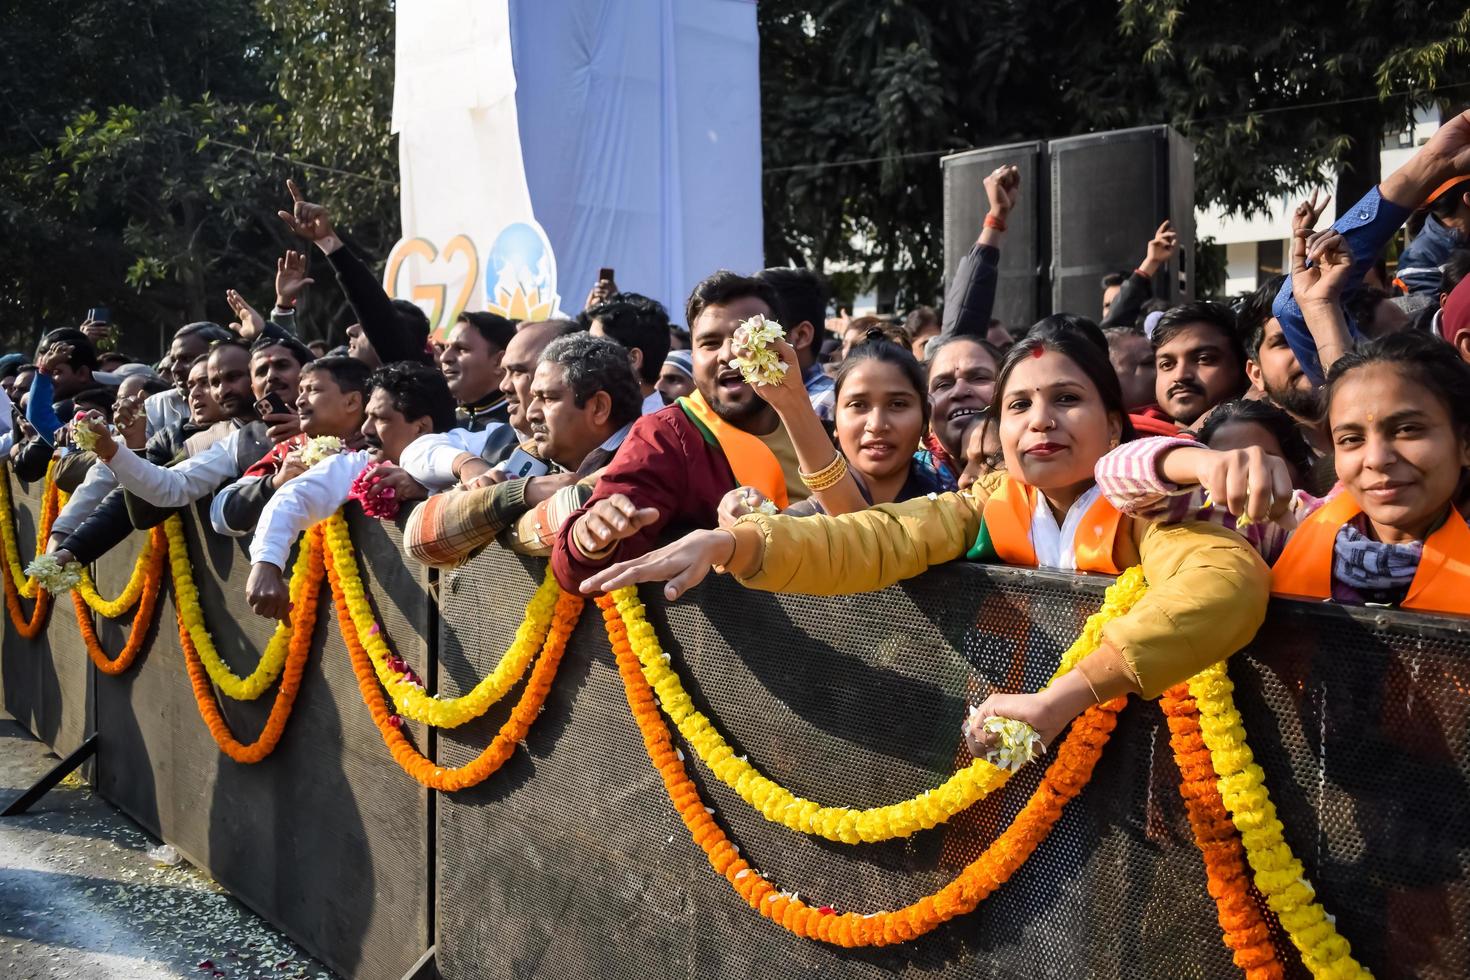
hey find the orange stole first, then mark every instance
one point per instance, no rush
(1441, 583)
(1007, 518)
(752, 462)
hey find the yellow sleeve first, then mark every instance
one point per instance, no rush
(859, 552)
(1207, 594)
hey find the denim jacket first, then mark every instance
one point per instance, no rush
(1421, 263)
(1366, 229)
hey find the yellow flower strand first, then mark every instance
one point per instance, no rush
(410, 700)
(131, 593)
(24, 583)
(186, 595)
(1278, 873)
(846, 825)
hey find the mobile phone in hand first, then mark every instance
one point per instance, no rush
(605, 273)
(99, 314)
(273, 404)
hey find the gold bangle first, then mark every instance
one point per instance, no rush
(827, 477)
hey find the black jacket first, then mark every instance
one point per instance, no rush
(380, 322)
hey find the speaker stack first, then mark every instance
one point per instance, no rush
(1089, 205)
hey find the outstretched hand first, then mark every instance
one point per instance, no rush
(683, 564)
(1308, 212)
(267, 592)
(310, 221)
(251, 322)
(1161, 249)
(1321, 283)
(609, 521)
(291, 279)
(1002, 188)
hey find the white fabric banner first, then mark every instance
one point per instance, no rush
(542, 140)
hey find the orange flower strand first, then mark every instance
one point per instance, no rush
(16, 585)
(1068, 773)
(303, 624)
(147, 602)
(503, 745)
(1244, 928)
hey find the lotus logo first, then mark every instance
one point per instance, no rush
(520, 274)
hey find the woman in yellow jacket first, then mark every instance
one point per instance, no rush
(1058, 409)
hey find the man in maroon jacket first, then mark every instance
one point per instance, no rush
(671, 469)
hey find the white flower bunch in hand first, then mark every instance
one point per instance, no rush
(316, 449)
(53, 576)
(758, 362)
(1016, 742)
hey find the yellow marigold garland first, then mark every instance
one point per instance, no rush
(844, 824)
(186, 596)
(409, 698)
(26, 585)
(131, 593)
(1278, 873)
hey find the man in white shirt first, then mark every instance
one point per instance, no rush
(408, 401)
(275, 371)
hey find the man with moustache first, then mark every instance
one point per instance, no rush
(464, 456)
(332, 395)
(678, 463)
(584, 398)
(408, 401)
(1199, 359)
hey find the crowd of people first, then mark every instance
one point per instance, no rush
(1310, 439)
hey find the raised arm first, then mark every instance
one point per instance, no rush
(970, 300)
(1138, 288)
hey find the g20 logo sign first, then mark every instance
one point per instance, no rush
(518, 276)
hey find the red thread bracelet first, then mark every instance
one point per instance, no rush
(991, 221)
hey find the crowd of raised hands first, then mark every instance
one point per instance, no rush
(1307, 439)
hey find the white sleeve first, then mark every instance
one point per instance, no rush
(311, 497)
(7, 439)
(97, 484)
(181, 484)
(7, 410)
(217, 508)
(430, 459)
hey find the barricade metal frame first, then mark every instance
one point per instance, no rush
(571, 862)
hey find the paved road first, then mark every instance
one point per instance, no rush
(81, 898)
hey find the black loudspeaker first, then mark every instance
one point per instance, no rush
(1109, 193)
(1021, 294)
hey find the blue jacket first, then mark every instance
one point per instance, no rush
(1421, 262)
(1366, 229)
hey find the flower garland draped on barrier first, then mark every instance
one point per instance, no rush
(142, 578)
(1068, 773)
(1244, 928)
(1278, 873)
(295, 637)
(17, 583)
(150, 585)
(842, 824)
(347, 590)
(409, 698)
(191, 616)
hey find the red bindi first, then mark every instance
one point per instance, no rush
(1037, 349)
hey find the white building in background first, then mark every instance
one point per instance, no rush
(1259, 247)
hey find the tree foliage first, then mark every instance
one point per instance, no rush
(149, 140)
(1271, 95)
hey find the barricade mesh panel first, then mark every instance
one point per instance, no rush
(326, 838)
(47, 685)
(573, 863)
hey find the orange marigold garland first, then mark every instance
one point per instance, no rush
(303, 624)
(147, 602)
(503, 745)
(1245, 929)
(1068, 773)
(28, 628)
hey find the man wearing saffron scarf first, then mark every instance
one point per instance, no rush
(676, 464)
